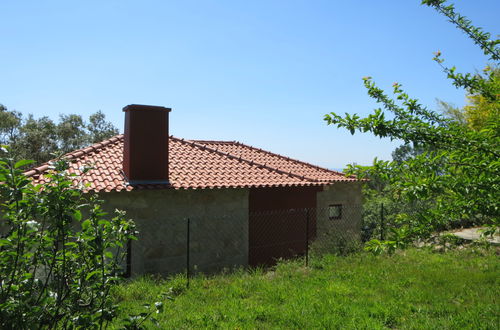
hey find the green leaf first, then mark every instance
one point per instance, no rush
(86, 224)
(103, 222)
(4, 242)
(23, 162)
(89, 275)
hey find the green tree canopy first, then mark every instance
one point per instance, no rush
(479, 109)
(40, 138)
(456, 171)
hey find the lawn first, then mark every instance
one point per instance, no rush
(413, 289)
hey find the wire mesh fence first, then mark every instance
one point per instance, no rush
(213, 243)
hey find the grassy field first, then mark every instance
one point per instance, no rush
(414, 289)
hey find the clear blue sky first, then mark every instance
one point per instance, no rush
(260, 72)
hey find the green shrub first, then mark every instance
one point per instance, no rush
(60, 253)
(336, 243)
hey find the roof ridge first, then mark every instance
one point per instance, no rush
(290, 159)
(251, 162)
(213, 141)
(74, 154)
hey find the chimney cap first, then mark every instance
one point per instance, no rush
(132, 107)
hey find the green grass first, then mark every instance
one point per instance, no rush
(414, 289)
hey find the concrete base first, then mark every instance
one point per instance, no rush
(474, 234)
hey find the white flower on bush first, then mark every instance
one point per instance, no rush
(53, 294)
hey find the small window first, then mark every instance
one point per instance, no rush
(335, 211)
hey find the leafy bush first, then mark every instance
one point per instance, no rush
(60, 253)
(454, 173)
(336, 243)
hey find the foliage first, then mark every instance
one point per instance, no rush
(336, 242)
(482, 39)
(60, 253)
(71, 133)
(382, 209)
(9, 124)
(454, 113)
(406, 152)
(99, 129)
(414, 289)
(39, 139)
(481, 110)
(455, 174)
(139, 320)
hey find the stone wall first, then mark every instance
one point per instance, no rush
(219, 222)
(347, 194)
(216, 241)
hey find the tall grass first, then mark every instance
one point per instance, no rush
(414, 289)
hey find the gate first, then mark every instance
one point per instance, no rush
(279, 234)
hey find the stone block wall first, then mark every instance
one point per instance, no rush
(161, 217)
(347, 194)
(219, 224)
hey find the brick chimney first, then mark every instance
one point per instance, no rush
(145, 151)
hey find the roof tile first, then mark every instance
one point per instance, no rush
(197, 165)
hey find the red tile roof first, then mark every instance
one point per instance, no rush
(196, 165)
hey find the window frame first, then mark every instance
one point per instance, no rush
(339, 208)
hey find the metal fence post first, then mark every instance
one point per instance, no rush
(187, 252)
(382, 222)
(307, 237)
(128, 271)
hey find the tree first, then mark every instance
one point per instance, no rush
(457, 173)
(479, 109)
(99, 129)
(406, 151)
(71, 134)
(9, 124)
(40, 139)
(452, 112)
(37, 139)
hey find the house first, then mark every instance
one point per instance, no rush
(231, 192)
